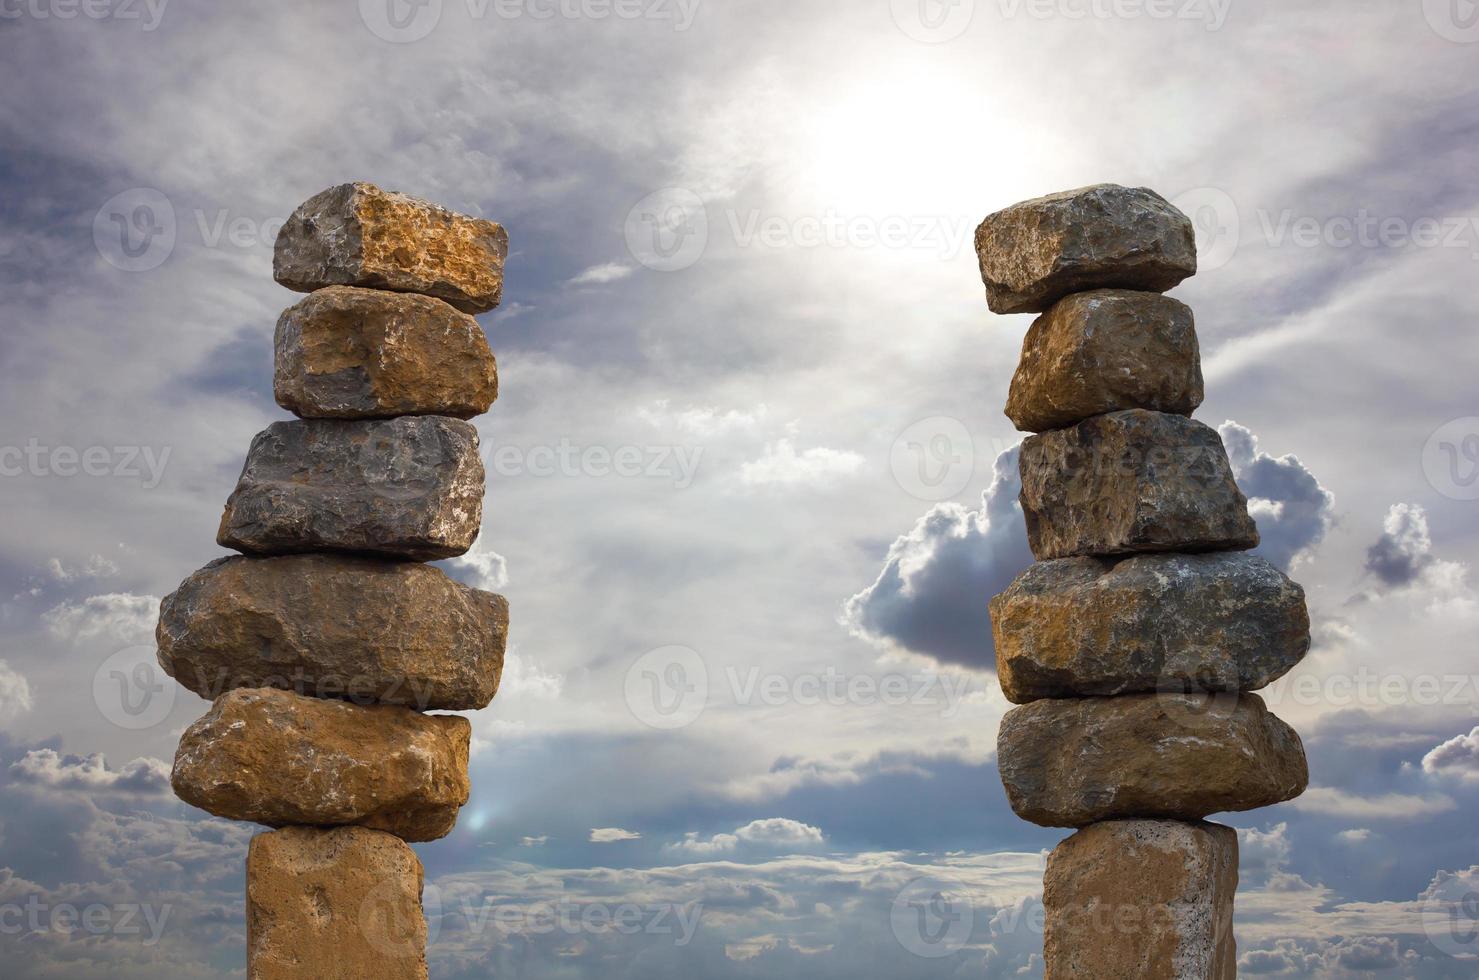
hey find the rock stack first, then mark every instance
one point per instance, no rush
(1133, 644)
(325, 642)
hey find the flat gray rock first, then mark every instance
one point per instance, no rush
(406, 488)
(1132, 481)
(1101, 237)
(1081, 627)
(335, 626)
(1075, 762)
(1104, 351)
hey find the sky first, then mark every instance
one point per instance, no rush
(750, 486)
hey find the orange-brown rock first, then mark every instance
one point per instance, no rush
(336, 904)
(409, 487)
(1142, 900)
(1073, 762)
(278, 758)
(351, 353)
(335, 626)
(1103, 351)
(1077, 627)
(1101, 237)
(1131, 481)
(359, 235)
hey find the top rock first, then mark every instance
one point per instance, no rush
(1101, 237)
(359, 235)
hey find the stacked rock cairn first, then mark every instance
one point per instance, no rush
(325, 642)
(1133, 644)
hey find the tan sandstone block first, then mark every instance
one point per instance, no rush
(339, 904)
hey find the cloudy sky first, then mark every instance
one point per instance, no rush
(750, 439)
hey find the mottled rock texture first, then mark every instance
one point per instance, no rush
(346, 353)
(338, 904)
(277, 758)
(359, 235)
(1076, 627)
(1101, 237)
(362, 629)
(1070, 763)
(1131, 481)
(1142, 900)
(408, 488)
(1103, 351)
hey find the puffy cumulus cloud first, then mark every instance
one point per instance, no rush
(119, 617)
(610, 835)
(1292, 510)
(46, 767)
(1459, 757)
(481, 567)
(771, 833)
(780, 464)
(930, 598)
(15, 692)
(1402, 558)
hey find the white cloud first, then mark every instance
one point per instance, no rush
(118, 616)
(771, 833)
(597, 274)
(1292, 509)
(487, 568)
(1386, 806)
(610, 835)
(1356, 835)
(781, 465)
(15, 692)
(45, 767)
(1459, 756)
(96, 566)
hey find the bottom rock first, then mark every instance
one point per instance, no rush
(1142, 900)
(331, 904)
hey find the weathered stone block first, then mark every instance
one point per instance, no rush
(1101, 237)
(408, 488)
(367, 353)
(1103, 351)
(1077, 627)
(1142, 900)
(1131, 481)
(362, 629)
(359, 235)
(339, 904)
(277, 758)
(1070, 763)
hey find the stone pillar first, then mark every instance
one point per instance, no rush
(325, 642)
(1133, 645)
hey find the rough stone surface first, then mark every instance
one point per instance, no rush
(1105, 236)
(363, 629)
(359, 235)
(277, 758)
(367, 353)
(1070, 763)
(1103, 351)
(1076, 627)
(340, 904)
(1128, 482)
(1142, 900)
(408, 487)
